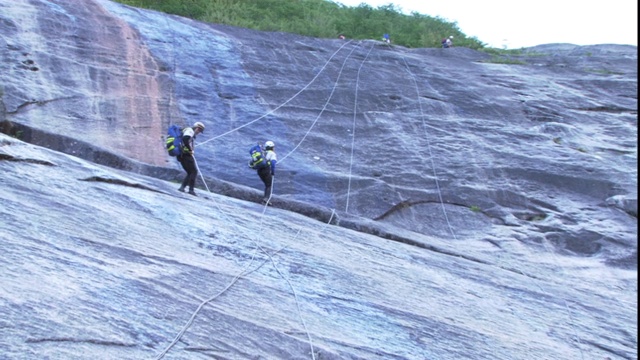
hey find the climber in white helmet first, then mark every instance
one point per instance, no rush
(447, 42)
(267, 173)
(186, 158)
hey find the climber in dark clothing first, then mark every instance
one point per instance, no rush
(267, 173)
(186, 158)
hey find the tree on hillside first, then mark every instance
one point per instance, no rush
(318, 18)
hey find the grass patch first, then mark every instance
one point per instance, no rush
(496, 51)
(504, 60)
(511, 52)
(603, 72)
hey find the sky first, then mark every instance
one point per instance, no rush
(512, 24)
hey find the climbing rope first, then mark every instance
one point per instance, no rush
(353, 127)
(270, 196)
(284, 103)
(263, 212)
(433, 167)
(335, 85)
(426, 136)
(202, 304)
(245, 272)
(424, 126)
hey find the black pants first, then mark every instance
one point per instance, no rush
(189, 165)
(267, 179)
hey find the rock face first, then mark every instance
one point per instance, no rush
(456, 204)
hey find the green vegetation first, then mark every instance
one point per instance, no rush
(318, 18)
(604, 72)
(504, 60)
(475, 208)
(510, 56)
(512, 52)
(18, 134)
(502, 52)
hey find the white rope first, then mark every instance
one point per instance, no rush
(284, 103)
(245, 272)
(273, 185)
(442, 201)
(191, 319)
(426, 136)
(444, 209)
(335, 85)
(202, 304)
(353, 128)
(571, 322)
(295, 295)
(200, 173)
(433, 167)
(271, 194)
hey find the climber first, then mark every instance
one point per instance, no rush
(447, 42)
(186, 158)
(267, 173)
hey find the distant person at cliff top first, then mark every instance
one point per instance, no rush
(447, 42)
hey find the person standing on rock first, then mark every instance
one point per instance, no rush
(267, 173)
(186, 158)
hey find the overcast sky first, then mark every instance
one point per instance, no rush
(514, 24)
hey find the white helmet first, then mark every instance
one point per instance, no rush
(269, 145)
(199, 125)
(451, 37)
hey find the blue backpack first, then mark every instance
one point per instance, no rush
(257, 158)
(174, 140)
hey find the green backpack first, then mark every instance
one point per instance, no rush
(257, 158)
